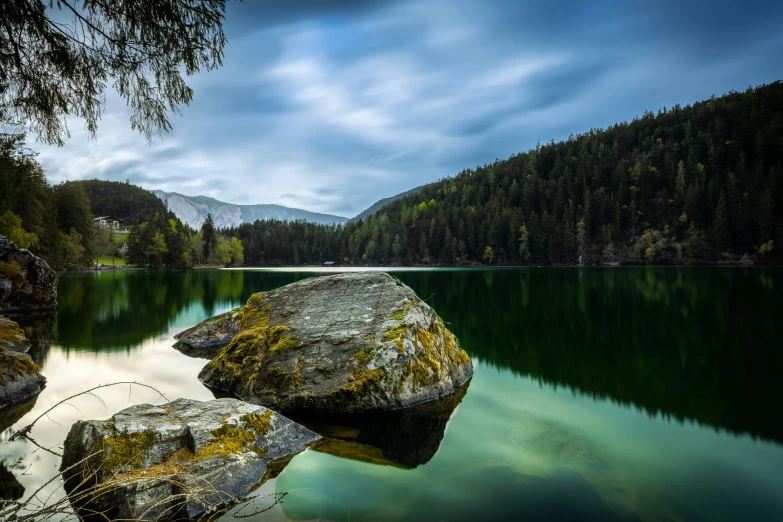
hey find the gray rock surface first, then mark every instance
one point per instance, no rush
(343, 343)
(206, 339)
(26, 281)
(181, 460)
(20, 379)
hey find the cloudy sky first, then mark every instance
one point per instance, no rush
(331, 105)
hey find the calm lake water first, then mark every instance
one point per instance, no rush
(599, 394)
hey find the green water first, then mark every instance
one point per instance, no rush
(599, 394)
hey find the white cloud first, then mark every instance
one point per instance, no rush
(332, 114)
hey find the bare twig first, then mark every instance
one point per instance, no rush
(27, 429)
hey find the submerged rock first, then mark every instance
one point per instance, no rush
(343, 343)
(181, 460)
(206, 339)
(26, 281)
(10, 488)
(10, 414)
(404, 438)
(20, 379)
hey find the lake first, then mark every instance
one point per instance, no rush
(627, 393)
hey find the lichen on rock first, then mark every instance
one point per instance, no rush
(343, 343)
(181, 460)
(20, 379)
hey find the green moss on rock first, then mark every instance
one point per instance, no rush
(10, 333)
(256, 312)
(260, 423)
(233, 439)
(125, 452)
(14, 365)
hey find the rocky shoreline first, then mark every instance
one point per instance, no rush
(27, 284)
(20, 378)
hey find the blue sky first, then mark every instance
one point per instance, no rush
(330, 106)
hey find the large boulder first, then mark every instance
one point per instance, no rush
(343, 343)
(26, 281)
(181, 460)
(20, 379)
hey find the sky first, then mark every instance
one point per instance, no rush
(329, 106)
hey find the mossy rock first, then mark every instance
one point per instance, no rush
(12, 336)
(20, 378)
(177, 461)
(27, 283)
(343, 343)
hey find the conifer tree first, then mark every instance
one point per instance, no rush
(209, 236)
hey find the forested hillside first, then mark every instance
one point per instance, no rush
(700, 183)
(54, 222)
(128, 203)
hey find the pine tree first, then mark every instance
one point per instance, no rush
(73, 213)
(524, 239)
(209, 236)
(720, 226)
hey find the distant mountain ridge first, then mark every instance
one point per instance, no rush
(375, 207)
(193, 210)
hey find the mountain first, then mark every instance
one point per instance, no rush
(688, 184)
(193, 210)
(375, 207)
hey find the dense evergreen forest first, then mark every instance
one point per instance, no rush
(129, 203)
(690, 184)
(52, 221)
(56, 221)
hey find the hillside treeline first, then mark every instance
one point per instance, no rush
(699, 183)
(54, 222)
(129, 203)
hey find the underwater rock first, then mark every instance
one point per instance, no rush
(181, 460)
(10, 414)
(26, 281)
(344, 343)
(10, 488)
(404, 438)
(20, 379)
(206, 339)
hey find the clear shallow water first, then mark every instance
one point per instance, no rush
(599, 394)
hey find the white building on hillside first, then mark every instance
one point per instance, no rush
(107, 222)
